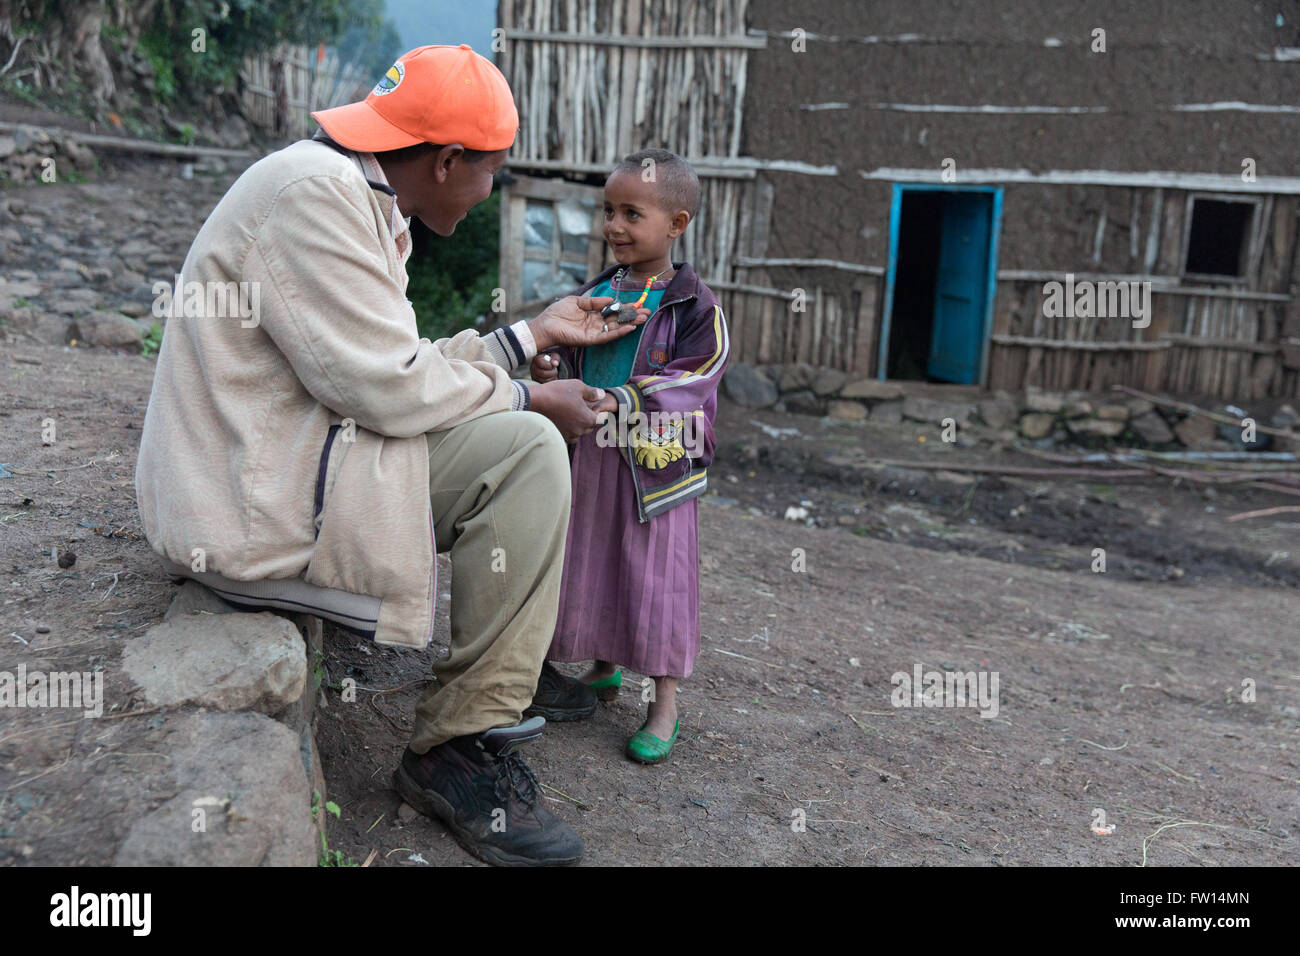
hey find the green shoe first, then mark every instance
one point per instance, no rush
(607, 687)
(645, 747)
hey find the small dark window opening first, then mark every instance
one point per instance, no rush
(1217, 242)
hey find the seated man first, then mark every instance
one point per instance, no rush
(313, 451)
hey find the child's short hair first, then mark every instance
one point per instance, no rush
(675, 180)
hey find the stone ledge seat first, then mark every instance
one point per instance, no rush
(356, 613)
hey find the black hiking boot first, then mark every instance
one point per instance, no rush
(560, 698)
(488, 798)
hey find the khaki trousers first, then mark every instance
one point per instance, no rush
(500, 490)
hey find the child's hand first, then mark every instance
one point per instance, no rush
(544, 367)
(607, 404)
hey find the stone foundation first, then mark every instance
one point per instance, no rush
(1035, 415)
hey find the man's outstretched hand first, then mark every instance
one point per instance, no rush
(577, 321)
(571, 404)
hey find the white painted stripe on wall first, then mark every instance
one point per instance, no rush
(1278, 185)
(1224, 106)
(983, 108)
(1229, 106)
(779, 165)
(830, 38)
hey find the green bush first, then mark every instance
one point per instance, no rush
(236, 28)
(152, 342)
(452, 279)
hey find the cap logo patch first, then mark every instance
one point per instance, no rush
(391, 81)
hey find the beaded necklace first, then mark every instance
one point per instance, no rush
(616, 308)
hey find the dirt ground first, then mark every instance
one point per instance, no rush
(1119, 691)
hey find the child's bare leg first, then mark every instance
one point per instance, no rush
(599, 671)
(662, 714)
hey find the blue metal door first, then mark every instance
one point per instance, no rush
(960, 295)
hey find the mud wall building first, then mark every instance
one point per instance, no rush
(890, 189)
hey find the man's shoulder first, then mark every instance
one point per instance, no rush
(297, 162)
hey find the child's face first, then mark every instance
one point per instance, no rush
(637, 227)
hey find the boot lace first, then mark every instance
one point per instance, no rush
(517, 778)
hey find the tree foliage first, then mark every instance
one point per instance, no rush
(91, 44)
(452, 278)
(236, 28)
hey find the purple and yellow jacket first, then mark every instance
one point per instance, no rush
(664, 426)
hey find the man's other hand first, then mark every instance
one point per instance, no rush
(570, 404)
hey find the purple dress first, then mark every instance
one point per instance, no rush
(630, 593)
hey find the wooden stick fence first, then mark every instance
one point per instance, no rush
(280, 88)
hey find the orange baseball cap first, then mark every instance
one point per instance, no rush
(433, 94)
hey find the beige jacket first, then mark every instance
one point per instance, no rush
(234, 476)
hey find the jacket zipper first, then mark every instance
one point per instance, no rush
(636, 485)
(320, 479)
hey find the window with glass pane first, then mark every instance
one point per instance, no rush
(539, 225)
(575, 217)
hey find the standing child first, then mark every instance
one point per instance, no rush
(630, 589)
